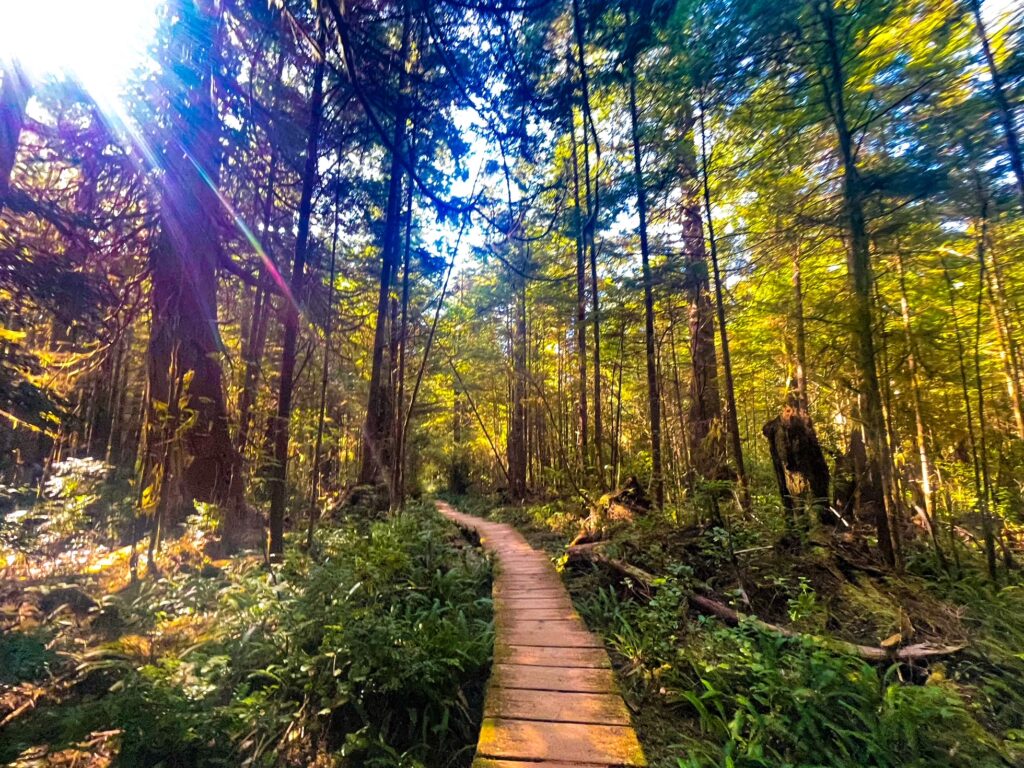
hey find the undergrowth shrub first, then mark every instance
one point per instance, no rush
(374, 651)
(754, 699)
(993, 661)
(23, 657)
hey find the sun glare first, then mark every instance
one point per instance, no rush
(99, 43)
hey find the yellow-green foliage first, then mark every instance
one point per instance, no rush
(377, 648)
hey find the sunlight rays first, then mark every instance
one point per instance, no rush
(100, 44)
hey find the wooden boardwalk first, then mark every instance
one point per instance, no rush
(552, 699)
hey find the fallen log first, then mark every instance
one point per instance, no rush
(591, 552)
(908, 654)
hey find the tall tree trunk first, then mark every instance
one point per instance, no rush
(185, 346)
(14, 95)
(115, 442)
(888, 411)
(1008, 351)
(262, 301)
(705, 407)
(730, 389)
(1010, 311)
(988, 527)
(593, 206)
(262, 306)
(798, 388)
(677, 390)
(920, 430)
(252, 354)
(579, 326)
(859, 271)
(377, 430)
(317, 469)
(972, 440)
(1001, 100)
(704, 444)
(653, 394)
(595, 309)
(286, 383)
(520, 374)
(398, 465)
(616, 441)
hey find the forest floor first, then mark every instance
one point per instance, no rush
(703, 693)
(375, 647)
(372, 649)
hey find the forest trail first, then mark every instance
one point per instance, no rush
(552, 698)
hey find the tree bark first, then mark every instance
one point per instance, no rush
(376, 433)
(262, 302)
(988, 525)
(920, 430)
(317, 469)
(617, 441)
(799, 396)
(185, 346)
(653, 393)
(517, 456)
(980, 493)
(593, 206)
(286, 383)
(398, 468)
(1008, 352)
(683, 446)
(730, 389)
(262, 306)
(800, 468)
(859, 272)
(704, 445)
(580, 324)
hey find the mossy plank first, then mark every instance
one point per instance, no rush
(566, 742)
(577, 679)
(557, 707)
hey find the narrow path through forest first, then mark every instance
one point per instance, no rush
(552, 697)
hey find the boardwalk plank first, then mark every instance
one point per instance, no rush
(552, 701)
(559, 707)
(568, 742)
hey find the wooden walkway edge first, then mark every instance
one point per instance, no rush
(552, 699)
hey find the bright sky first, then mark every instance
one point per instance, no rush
(101, 42)
(98, 42)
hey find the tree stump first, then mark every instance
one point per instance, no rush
(614, 510)
(800, 466)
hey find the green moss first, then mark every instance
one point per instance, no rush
(23, 657)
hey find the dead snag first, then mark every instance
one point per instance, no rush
(800, 466)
